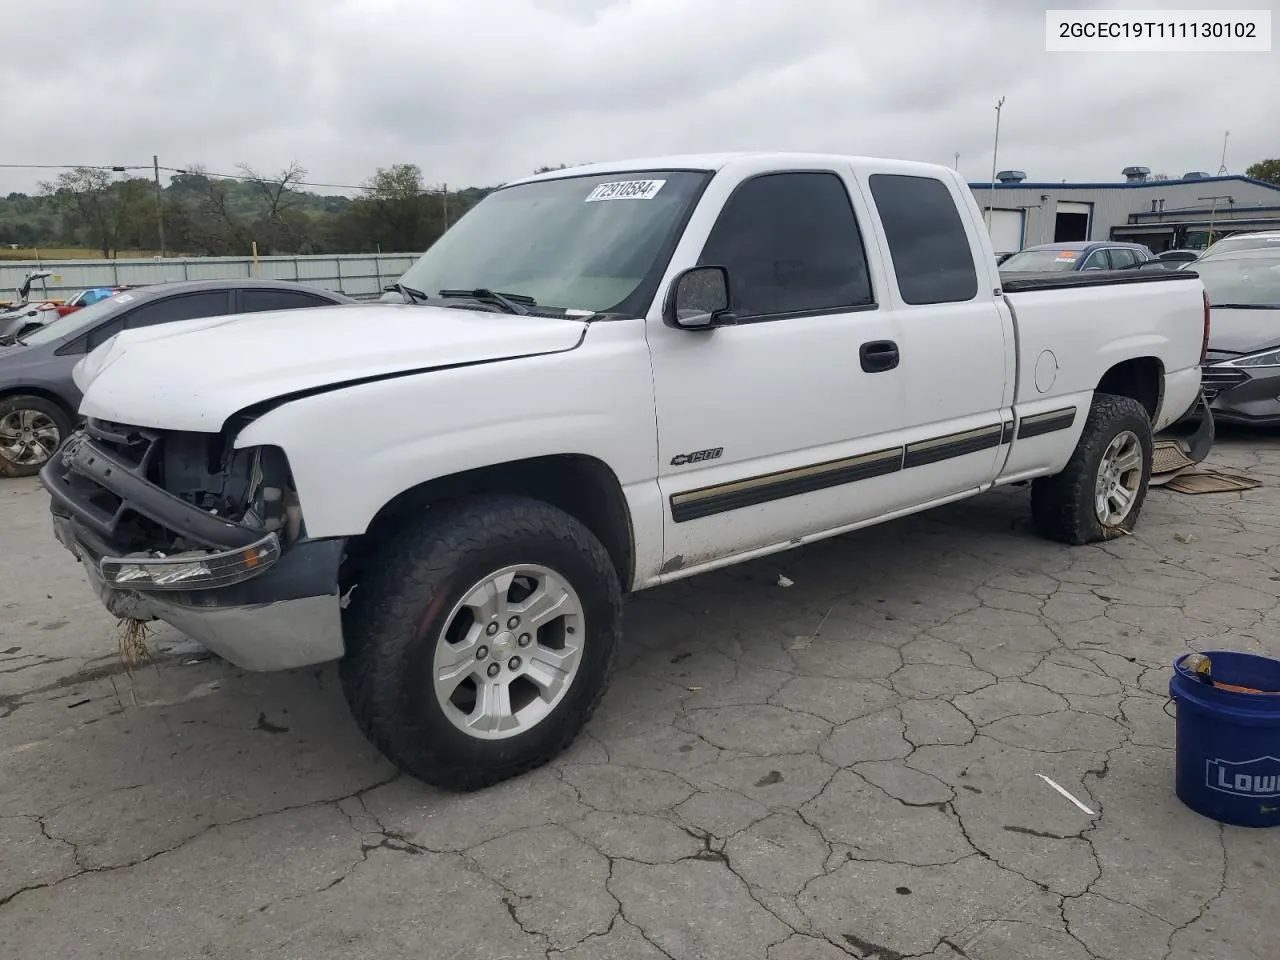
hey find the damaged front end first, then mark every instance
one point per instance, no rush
(185, 528)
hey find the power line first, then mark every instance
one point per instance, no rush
(243, 178)
(248, 179)
(121, 168)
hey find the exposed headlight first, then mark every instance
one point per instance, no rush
(1270, 358)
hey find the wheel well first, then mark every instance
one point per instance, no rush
(42, 394)
(581, 486)
(1141, 379)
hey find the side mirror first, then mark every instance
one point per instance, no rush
(699, 299)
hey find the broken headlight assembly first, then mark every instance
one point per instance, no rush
(251, 490)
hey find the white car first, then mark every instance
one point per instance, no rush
(600, 380)
(1259, 240)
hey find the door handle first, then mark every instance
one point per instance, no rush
(878, 356)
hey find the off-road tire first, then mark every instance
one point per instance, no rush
(1062, 506)
(396, 615)
(50, 409)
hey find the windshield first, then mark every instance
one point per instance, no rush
(72, 323)
(577, 243)
(1247, 280)
(1041, 261)
(1266, 241)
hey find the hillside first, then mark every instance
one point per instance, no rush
(97, 213)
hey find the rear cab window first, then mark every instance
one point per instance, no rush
(929, 248)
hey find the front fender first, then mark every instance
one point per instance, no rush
(353, 450)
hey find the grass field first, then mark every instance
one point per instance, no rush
(68, 253)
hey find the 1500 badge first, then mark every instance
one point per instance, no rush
(698, 456)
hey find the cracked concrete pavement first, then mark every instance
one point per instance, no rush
(845, 767)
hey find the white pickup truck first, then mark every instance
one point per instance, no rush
(600, 380)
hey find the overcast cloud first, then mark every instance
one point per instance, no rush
(485, 91)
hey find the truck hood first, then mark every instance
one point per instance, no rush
(1243, 331)
(194, 374)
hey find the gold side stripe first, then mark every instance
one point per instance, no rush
(954, 438)
(770, 479)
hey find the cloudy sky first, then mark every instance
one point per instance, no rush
(484, 91)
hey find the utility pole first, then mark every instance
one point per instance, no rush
(1222, 167)
(155, 168)
(444, 203)
(957, 160)
(995, 150)
(1213, 213)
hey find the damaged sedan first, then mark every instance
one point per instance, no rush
(1241, 375)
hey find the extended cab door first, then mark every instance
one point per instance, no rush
(786, 423)
(955, 334)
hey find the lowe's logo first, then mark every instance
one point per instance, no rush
(1249, 778)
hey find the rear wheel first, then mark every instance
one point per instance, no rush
(31, 428)
(480, 641)
(1099, 494)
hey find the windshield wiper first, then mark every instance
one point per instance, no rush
(1244, 306)
(510, 302)
(409, 293)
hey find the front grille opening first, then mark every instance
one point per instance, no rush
(129, 445)
(1216, 379)
(103, 500)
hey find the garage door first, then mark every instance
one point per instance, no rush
(1006, 230)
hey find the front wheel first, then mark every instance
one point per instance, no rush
(1099, 494)
(480, 641)
(31, 429)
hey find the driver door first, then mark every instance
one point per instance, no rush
(785, 423)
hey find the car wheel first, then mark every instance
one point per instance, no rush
(480, 640)
(1100, 493)
(31, 429)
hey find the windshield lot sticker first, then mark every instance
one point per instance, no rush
(123, 298)
(626, 190)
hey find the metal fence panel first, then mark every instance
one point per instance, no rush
(357, 275)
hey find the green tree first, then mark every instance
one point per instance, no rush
(398, 211)
(281, 226)
(102, 210)
(214, 224)
(1268, 170)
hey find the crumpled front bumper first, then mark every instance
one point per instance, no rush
(287, 616)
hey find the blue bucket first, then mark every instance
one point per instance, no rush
(1228, 743)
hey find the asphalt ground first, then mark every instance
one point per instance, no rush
(851, 765)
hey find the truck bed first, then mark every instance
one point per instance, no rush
(1053, 280)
